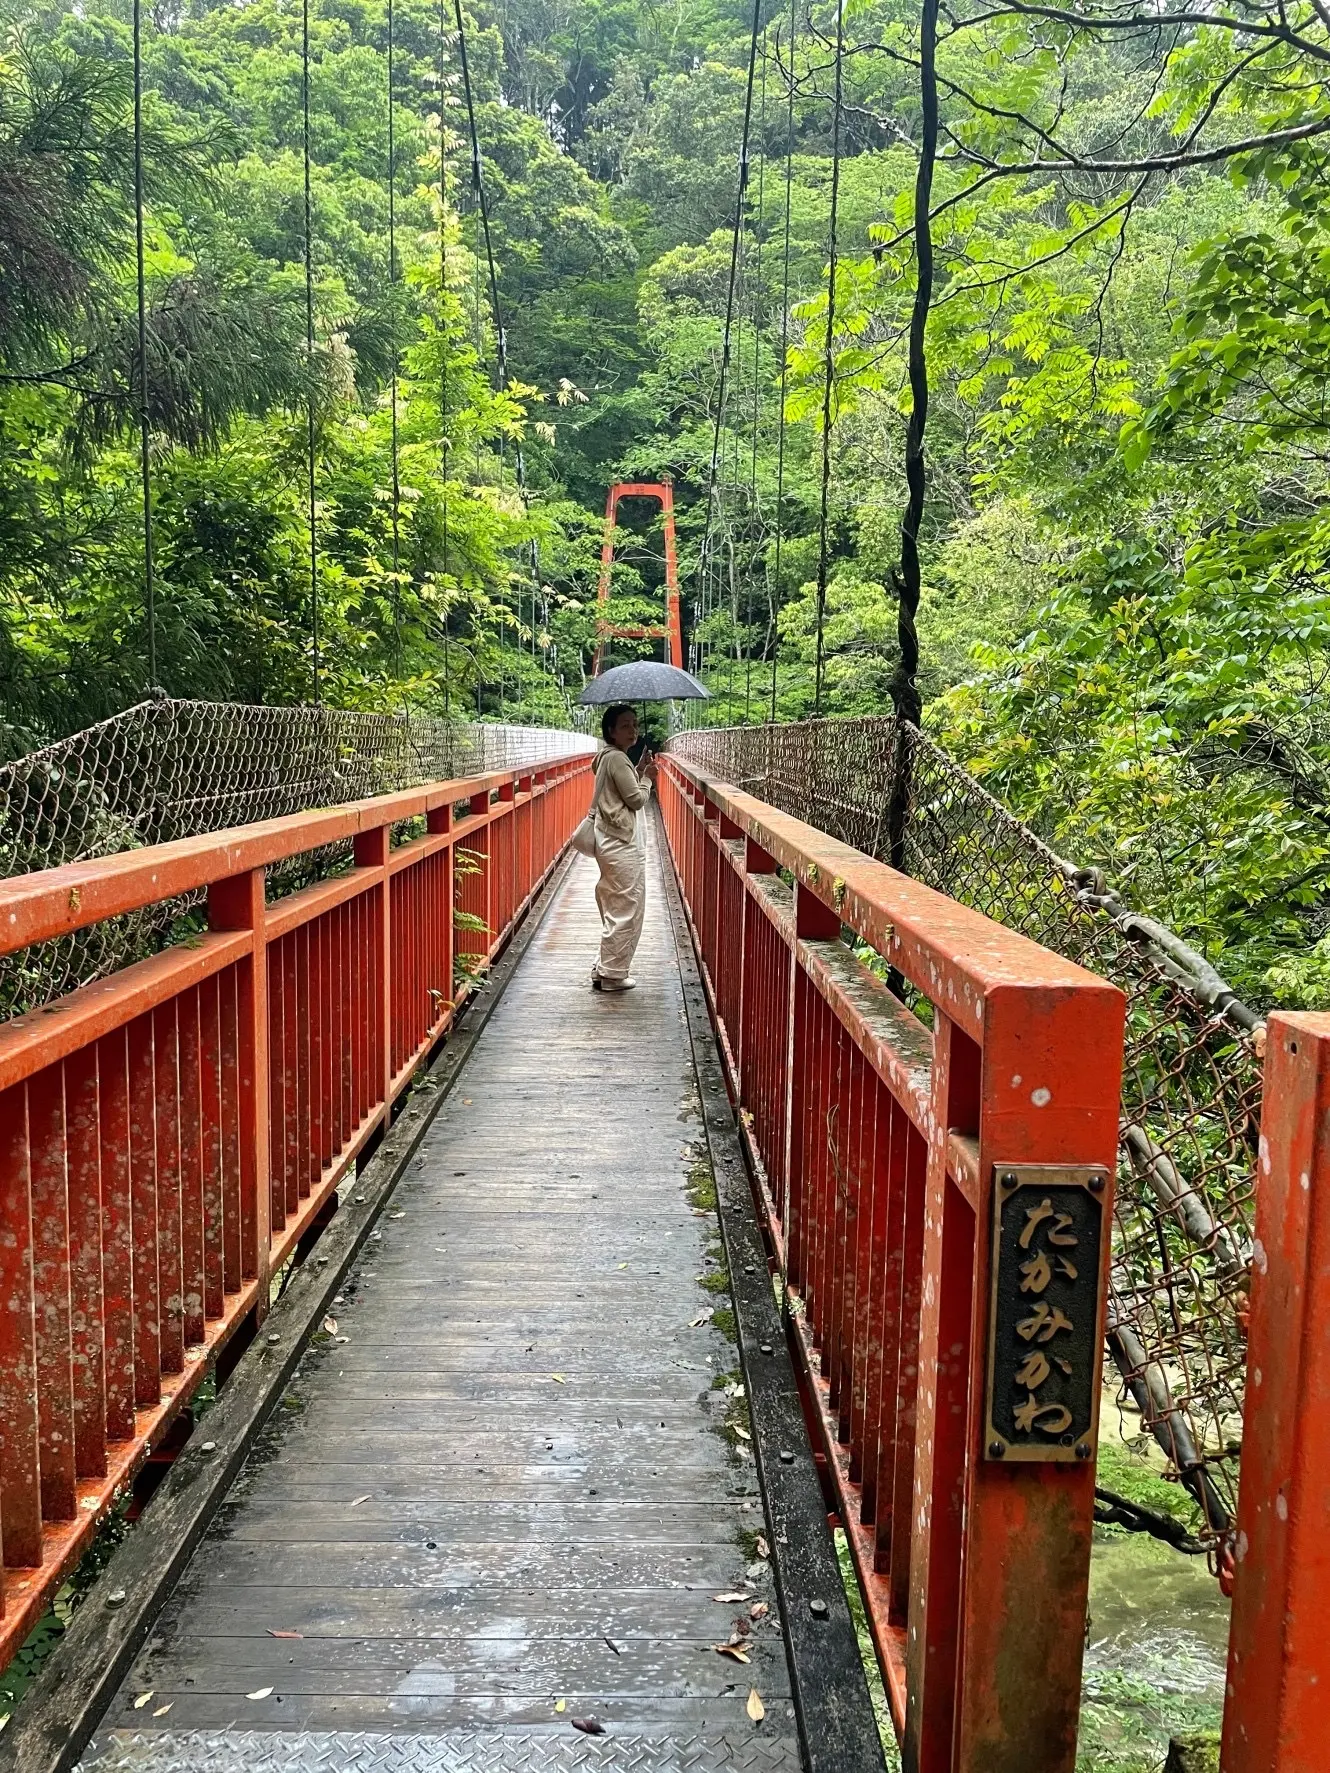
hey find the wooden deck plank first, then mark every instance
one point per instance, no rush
(519, 1451)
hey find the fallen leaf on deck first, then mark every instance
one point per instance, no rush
(742, 1432)
(558, 1378)
(763, 1549)
(613, 1646)
(623, 1265)
(330, 1325)
(343, 1339)
(284, 1634)
(699, 1320)
(260, 1693)
(755, 1708)
(741, 1629)
(466, 1101)
(760, 1611)
(360, 1499)
(162, 1710)
(731, 1650)
(560, 1705)
(730, 1599)
(589, 1726)
(141, 1701)
(397, 1215)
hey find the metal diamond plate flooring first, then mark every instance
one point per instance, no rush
(258, 1751)
(501, 1481)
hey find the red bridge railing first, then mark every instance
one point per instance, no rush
(168, 1135)
(889, 1150)
(938, 1196)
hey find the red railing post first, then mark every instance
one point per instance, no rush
(238, 904)
(1279, 1648)
(993, 1537)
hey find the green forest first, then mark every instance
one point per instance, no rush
(1018, 314)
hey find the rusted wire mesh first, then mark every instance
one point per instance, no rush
(1192, 1077)
(165, 770)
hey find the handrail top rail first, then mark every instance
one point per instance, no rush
(941, 945)
(53, 902)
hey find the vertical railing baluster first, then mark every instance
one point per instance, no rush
(371, 851)
(191, 1169)
(238, 904)
(117, 1233)
(20, 1473)
(278, 1131)
(439, 823)
(166, 1059)
(49, 1193)
(143, 1188)
(83, 1121)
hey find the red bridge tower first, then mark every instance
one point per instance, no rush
(673, 629)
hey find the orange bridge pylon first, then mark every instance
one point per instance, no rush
(672, 632)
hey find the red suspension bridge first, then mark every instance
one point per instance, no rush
(547, 1332)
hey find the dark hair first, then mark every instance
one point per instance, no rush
(611, 717)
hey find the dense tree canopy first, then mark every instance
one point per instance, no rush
(1116, 277)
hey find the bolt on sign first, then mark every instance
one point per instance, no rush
(1046, 1313)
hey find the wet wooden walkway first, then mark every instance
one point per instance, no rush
(501, 1494)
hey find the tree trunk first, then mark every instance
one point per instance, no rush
(904, 687)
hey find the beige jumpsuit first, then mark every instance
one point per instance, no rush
(621, 892)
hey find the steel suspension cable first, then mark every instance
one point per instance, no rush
(482, 206)
(731, 444)
(784, 355)
(754, 518)
(309, 358)
(141, 284)
(703, 556)
(501, 336)
(829, 363)
(392, 297)
(444, 440)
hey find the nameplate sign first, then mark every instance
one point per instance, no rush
(1046, 1317)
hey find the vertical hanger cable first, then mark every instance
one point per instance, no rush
(784, 364)
(145, 439)
(444, 440)
(829, 366)
(754, 521)
(500, 331)
(309, 362)
(392, 297)
(704, 554)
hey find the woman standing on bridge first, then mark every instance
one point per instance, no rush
(621, 893)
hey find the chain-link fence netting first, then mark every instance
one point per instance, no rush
(166, 770)
(1192, 1078)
